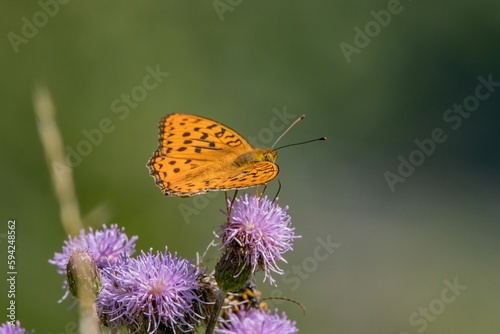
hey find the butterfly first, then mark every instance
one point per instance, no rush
(196, 155)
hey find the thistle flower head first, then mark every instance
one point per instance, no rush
(8, 328)
(105, 246)
(149, 291)
(258, 232)
(255, 321)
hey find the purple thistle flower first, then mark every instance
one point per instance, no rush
(259, 230)
(149, 291)
(9, 328)
(256, 321)
(105, 247)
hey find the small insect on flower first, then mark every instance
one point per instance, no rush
(245, 299)
(251, 298)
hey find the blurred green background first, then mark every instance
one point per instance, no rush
(395, 248)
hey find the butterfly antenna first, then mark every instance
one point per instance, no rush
(303, 142)
(288, 129)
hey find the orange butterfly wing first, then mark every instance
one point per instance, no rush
(196, 155)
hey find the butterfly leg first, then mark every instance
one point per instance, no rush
(229, 206)
(225, 198)
(279, 189)
(263, 191)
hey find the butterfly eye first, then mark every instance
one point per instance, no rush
(270, 156)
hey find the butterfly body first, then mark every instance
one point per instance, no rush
(196, 155)
(256, 155)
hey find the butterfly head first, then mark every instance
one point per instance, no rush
(269, 155)
(266, 154)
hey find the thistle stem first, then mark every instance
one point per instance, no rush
(219, 301)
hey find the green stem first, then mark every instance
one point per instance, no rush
(219, 301)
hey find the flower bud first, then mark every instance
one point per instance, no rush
(232, 272)
(83, 276)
